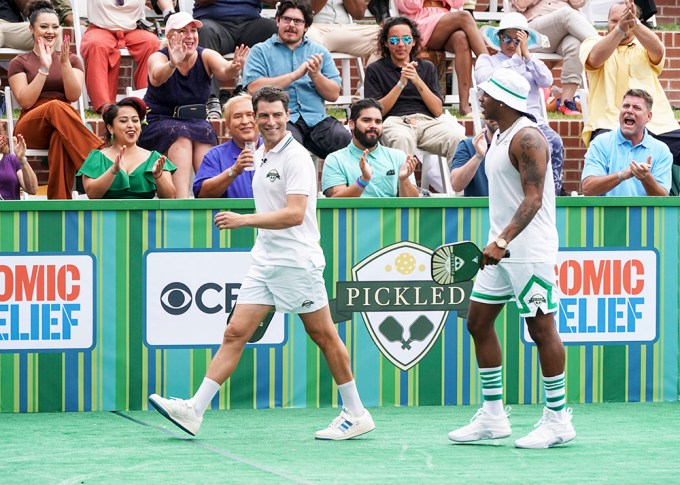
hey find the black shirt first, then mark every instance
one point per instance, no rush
(10, 12)
(382, 75)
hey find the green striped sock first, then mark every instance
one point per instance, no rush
(492, 389)
(554, 392)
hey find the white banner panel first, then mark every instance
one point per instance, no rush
(46, 302)
(190, 294)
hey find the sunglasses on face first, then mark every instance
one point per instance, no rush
(407, 40)
(507, 40)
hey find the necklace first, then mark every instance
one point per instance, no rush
(500, 137)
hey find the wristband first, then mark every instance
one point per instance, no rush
(620, 176)
(623, 32)
(401, 84)
(362, 185)
(44, 71)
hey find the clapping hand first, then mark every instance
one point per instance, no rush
(19, 146)
(408, 167)
(314, 63)
(410, 73)
(65, 50)
(157, 170)
(366, 170)
(44, 53)
(641, 170)
(480, 144)
(628, 20)
(118, 161)
(177, 50)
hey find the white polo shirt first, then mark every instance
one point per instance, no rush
(286, 170)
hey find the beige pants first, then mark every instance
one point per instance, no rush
(424, 132)
(15, 35)
(353, 39)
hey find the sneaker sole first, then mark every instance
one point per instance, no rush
(348, 436)
(492, 437)
(560, 441)
(165, 414)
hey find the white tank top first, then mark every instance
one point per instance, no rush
(538, 242)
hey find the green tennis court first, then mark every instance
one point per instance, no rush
(618, 443)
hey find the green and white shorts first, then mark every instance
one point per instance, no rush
(531, 285)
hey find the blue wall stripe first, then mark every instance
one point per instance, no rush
(634, 362)
(23, 382)
(71, 380)
(278, 377)
(262, 375)
(588, 375)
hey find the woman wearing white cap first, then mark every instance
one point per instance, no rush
(565, 27)
(513, 39)
(179, 86)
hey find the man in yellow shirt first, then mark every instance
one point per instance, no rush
(630, 56)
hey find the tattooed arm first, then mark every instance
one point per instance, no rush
(529, 155)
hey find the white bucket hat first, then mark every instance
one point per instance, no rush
(514, 20)
(508, 87)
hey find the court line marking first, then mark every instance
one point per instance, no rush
(217, 451)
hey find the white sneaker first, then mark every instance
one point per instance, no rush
(484, 426)
(347, 426)
(179, 412)
(550, 431)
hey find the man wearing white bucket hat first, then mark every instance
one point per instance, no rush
(513, 40)
(522, 221)
(565, 27)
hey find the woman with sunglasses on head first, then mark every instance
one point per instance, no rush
(512, 39)
(444, 26)
(180, 76)
(124, 170)
(45, 82)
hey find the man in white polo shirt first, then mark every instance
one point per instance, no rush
(286, 273)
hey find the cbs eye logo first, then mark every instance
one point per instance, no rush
(176, 298)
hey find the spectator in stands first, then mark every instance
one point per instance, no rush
(226, 25)
(124, 170)
(45, 82)
(512, 39)
(113, 26)
(14, 32)
(179, 86)
(333, 28)
(565, 28)
(227, 169)
(468, 170)
(314, 80)
(408, 90)
(628, 161)
(15, 171)
(444, 29)
(629, 56)
(365, 168)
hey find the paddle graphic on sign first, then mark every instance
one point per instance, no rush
(456, 262)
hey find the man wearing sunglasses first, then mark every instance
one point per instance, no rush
(306, 71)
(408, 89)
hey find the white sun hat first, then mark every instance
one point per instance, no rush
(513, 20)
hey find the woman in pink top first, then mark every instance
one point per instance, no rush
(450, 30)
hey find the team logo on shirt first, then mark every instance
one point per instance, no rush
(390, 172)
(273, 175)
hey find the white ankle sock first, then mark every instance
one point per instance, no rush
(204, 395)
(350, 398)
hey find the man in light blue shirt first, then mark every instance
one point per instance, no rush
(306, 71)
(365, 168)
(629, 161)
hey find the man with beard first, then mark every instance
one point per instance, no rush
(365, 168)
(629, 161)
(306, 71)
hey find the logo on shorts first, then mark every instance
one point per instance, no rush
(403, 308)
(307, 303)
(273, 175)
(537, 300)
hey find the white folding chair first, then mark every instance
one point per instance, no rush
(435, 173)
(346, 94)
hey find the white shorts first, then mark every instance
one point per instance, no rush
(290, 290)
(531, 285)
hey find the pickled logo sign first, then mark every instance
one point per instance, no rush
(403, 309)
(607, 296)
(190, 294)
(46, 302)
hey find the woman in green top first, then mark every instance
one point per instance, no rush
(124, 170)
